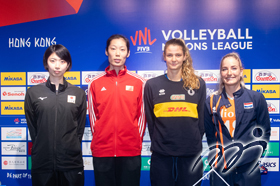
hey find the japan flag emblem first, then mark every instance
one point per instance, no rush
(71, 99)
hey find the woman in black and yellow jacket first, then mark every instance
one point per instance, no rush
(174, 105)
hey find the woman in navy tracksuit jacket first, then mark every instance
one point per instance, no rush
(237, 122)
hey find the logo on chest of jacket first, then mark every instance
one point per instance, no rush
(161, 92)
(191, 92)
(177, 97)
(248, 105)
(42, 98)
(103, 89)
(129, 88)
(71, 99)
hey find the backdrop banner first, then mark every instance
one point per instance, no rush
(210, 29)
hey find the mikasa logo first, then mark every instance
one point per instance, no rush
(12, 79)
(13, 108)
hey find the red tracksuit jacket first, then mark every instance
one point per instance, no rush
(116, 113)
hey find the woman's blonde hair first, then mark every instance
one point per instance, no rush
(191, 81)
(221, 83)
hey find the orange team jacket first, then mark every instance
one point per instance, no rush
(116, 113)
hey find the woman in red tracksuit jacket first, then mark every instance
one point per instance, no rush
(236, 121)
(117, 119)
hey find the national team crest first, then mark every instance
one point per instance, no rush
(71, 99)
(248, 105)
(129, 88)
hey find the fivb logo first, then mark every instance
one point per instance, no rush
(146, 38)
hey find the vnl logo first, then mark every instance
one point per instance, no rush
(146, 38)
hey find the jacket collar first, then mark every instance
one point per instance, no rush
(61, 87)
(224, 99)
(113, 72)
(239, 92)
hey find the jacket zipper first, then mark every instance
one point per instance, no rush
(55, 124)
(116, 119)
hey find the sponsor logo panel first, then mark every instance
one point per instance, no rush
(205, 149)
(30, 144)
(272, 149)
(13, 93)
(269, 91)
(274, 135)
(29, 137)
(274, 120)
(148, 74)
(20, 121)
(272, 164)
(16, 163)
(204, 137)
(13, 148)
(145, 163)
(247, 75)
(86, 149)
(13, 78)
(13, 133)
(29, 163)
(12, 108)
(206, 166)
(273, 106)
(35, 78)
(87, 76)
(146, 135)
(87, 134)
(88, 163)
(73, 77)
(209, 76)
(85, 88)
(248, 86)
(146, 149)
(211, 88)
(266, 75)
